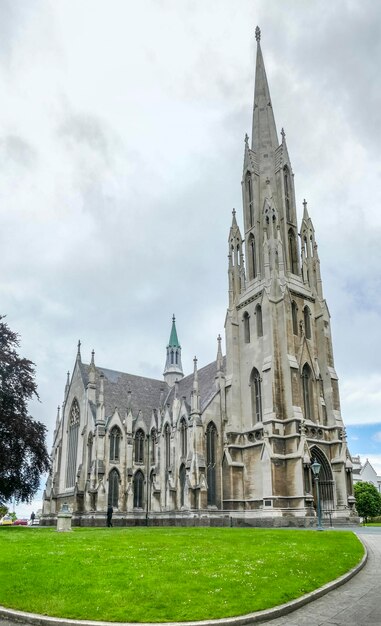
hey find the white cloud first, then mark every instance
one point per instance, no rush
(377, 436)
(121, 147)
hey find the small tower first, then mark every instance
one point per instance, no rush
(173, 369)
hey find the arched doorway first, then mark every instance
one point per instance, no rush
(326, 482)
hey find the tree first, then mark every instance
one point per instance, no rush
(368, 500)
(23, 453)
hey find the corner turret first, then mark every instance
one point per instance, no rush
(173, 368)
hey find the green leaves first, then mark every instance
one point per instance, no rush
(368, 500)
(23, 453)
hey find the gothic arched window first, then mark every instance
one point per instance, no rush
(113, 488)
(307, 322)
(211, 460)
(172, 357)
(307, 391)
(183, 437)
(256, 395)
(294, 313)
(258, 314)
(249, 197)
(138, 490)
(71, 468)
(167, 446)
(252, 259)
(139, 446)
(286, 178)
(115, 436)
(246, 327)
(182, 477)
(292, 252)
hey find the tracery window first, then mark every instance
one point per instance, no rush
(74, 419)
(246, 327)
(211, 460)
(115, 436)
(113, 488)
(138, 485)
(139, 446)
(256, 395)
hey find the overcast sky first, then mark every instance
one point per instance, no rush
(122, 129)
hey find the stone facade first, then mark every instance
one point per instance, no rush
(233, 442)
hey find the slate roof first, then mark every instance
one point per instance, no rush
(146, 392)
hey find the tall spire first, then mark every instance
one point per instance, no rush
(264, 134)
(173, 369)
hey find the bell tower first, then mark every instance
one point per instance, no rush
(281, 386)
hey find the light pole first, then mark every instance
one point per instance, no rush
(316, 469)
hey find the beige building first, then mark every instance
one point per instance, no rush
(233, 442)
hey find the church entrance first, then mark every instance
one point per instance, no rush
(326, 483)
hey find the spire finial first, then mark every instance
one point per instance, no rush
(258, 34)
(305, 204)
(92, 357)
(79, 350)
(283, 133)
(173, 318)
(246, 138)
(233, 213)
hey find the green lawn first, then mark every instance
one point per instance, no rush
(166, 574)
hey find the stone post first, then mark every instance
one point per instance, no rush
(64, 519)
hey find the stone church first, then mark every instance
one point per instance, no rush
(233, 442)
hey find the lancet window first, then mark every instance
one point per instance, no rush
(138, 490)
(139, 446)
(246, 327)
(115, 436)
(307, 391)
(258, 316)
(113, 488)
(256, 395)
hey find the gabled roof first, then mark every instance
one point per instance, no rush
(147, 394)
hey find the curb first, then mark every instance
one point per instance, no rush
(20, 617)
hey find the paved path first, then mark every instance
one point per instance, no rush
(356, 603)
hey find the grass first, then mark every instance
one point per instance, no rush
(162, 574)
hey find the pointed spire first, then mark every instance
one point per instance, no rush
(173, 340)
(195, 395)
(92, 371)
(173, 369)
(264, 133)
(79, 351)
(306, 217)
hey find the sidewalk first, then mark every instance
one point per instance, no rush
(356, 603)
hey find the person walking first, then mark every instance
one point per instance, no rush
(32, 518)
(110, 511)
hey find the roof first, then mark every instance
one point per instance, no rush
(141, 394)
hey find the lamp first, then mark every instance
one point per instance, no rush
(315, 466)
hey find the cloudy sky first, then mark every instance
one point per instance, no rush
(122, 129)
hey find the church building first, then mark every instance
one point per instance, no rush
(233, 442)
